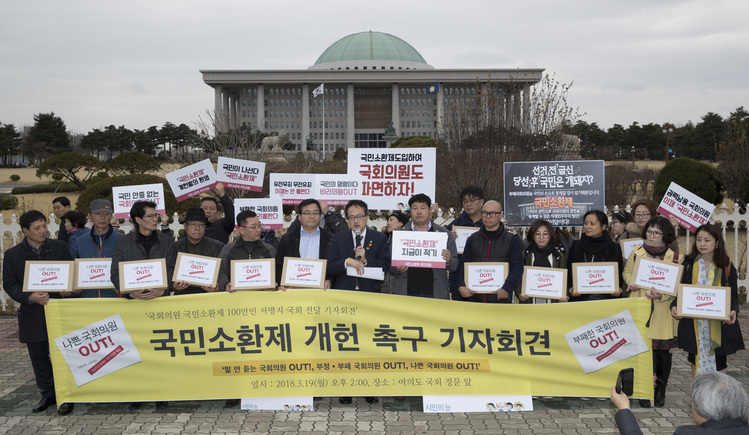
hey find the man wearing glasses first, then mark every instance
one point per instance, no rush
(359, 248)
(309, 240)
(144, 243)
(196, 243)
(492, 243)
(247, 246)
(472, 198)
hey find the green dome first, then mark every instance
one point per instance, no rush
(366, 46)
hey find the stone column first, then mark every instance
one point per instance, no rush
(526, 108)
(261, 107)
(226, 126)
(305, 115)
(440, 111)
(396, 113)
(350, 115)
(218, 110)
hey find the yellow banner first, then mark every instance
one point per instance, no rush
(341, 343)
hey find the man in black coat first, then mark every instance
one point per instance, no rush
(308, 240)
(32, 326)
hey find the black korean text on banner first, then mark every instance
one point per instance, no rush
(558, 192)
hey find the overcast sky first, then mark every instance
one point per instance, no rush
(136, 63)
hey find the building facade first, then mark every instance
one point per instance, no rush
(370, 79)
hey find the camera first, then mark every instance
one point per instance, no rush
(625, 381)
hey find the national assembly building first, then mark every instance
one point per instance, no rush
(354, 91)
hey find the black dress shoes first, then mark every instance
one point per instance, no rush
(44, 404)
(371, 399)
(231, 403)
(65, 409)
(345, 400)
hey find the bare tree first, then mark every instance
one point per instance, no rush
(489, 125)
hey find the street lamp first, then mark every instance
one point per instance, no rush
(667, 130)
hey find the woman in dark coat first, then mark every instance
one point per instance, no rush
(594, 246)
(708, 265)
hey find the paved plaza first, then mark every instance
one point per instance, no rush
(18, 394)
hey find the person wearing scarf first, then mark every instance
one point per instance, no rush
(544, 250)
(709, 342)
(657, 234)
(594, 246)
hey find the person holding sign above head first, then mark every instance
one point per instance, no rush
(657, 234)
(709, 342)
(544, 250)
(218, 228)
(492, 243)
(248, 246)
(32, 326)
(426, 282)
(594, 246)
(99, 242)
(195, 242)
(308, 241)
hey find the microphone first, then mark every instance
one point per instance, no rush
(358, 240)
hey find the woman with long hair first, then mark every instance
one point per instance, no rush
(657, 234)
(544, 250)
(709, 342)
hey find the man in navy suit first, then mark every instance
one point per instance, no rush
(305, 241)
(359, 248)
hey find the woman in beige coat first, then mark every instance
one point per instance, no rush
(658, 234)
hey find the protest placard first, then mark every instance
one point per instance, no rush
(292, 188)
(192, 180)
(124, 197)
(48, 276)
(240, 174)
(391, 176)
(689, 209)
(419, 249)
(268, 210)
(558, 192)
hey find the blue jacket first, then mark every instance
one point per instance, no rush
(72, 237)
(93, 246)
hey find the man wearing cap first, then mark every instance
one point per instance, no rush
(247, 246)
(99, 242)
(195, 242)
(307, 241)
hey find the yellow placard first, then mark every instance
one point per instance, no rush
(345, 343)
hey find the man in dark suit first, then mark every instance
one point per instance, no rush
(358, 248)
(306, 241)
(32, 326)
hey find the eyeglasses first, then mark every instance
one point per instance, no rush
(357, 217)
(542, 234)
(252, 227)
(195, 224)
(642, 214)
(490, 214)
(310, 213)
(151, 216)
(470, 200)
(653, 233)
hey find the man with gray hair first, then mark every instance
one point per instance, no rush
(720, 405)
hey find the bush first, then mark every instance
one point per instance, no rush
(53, 187)
(8, 202)
(133, 162)
(103, 190)
(57, 177)
(697, 177)
(102, 174)
(15, 177)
